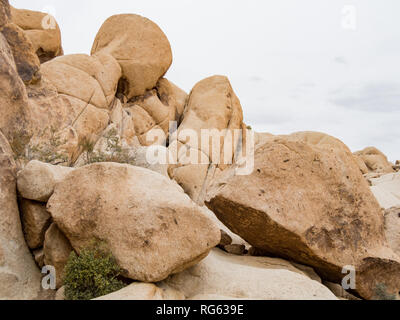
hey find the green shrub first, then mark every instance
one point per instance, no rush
(114, 152)
(92, 274)
(381, 293)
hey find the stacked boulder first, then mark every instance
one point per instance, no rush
(375, 161)
(91, 120)
(308, 202)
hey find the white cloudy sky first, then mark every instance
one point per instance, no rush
(291, 62)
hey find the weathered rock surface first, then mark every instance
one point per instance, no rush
(375, 160)
(150, 113)
(42, 30)
(140, 47)
(35, 221)
(221, 274)
(143, 291)
(5, 14)
(73, 100)
(19, 276)
(92, 79)
(212, 105)
(26, 60)
(38, 180)
(171, 94)
(152, 228)
(39, 257)
(57, 250)
(309, 203)
(392, 228)
(14, 120)
(386, 189)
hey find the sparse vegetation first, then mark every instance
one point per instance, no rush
(114, 152)
(381, 293)
(92, 274)
(49, 151)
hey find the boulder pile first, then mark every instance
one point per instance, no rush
(78, 138)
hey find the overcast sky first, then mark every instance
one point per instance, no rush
(295, 65)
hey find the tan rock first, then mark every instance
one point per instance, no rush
(25, 57)
(5, 14)
(150, 113)
(62, 124)
(309, 203)
(143, 291)
(212, 105)
(85, 77)
(57, 250)
(170, 94)
(39, 257)
(361, 164)
(19, 276)
(152, 228)
(71, 104)
(14, 110)
(38, 180)
(35, 221)
(140, 47)
(42, 30)
(375, 160)
(392, 228)
(222, 274)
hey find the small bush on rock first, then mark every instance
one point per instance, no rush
(92, 274)
(114, 152)
(381, 293)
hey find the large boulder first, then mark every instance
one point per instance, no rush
(42, 30)
(19, 277)
(148, 223)
(140, 47)
(386, 189)
(375, 160)
(257, 278)
(310, 203)
(213, 106)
